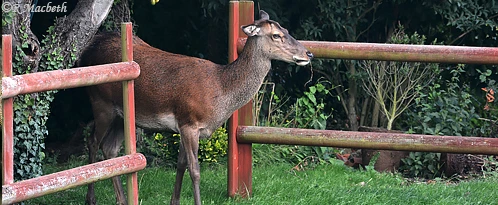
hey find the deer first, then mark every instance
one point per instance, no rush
(182, 94)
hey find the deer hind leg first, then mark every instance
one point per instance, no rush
(180, 171)
(110, 148)
(101, 127)
(190, 142)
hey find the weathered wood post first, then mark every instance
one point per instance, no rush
(129, 111)
(7, 116)
(239, 155)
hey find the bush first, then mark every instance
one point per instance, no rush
(445, 110)
(163, 148)
(439, 110)
(215, 148)
(488, 123)
(421, 164)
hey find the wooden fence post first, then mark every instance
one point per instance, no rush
(239, 155)
(129, 111)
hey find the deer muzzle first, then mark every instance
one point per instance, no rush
(302, 61)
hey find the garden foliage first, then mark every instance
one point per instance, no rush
(446, 107)
(31, 111)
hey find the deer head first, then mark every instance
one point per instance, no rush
(279, 44)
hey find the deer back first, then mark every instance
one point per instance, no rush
(169, 84)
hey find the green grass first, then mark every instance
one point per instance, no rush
(278, 184)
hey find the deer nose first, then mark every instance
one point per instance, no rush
(309, 54)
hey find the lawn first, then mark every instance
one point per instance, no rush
(279, 184)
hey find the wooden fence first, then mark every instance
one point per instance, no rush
(242, 134)
(126, 71)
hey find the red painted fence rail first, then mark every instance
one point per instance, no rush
(70, 78)
(367, 140)
(398, 52)
(48, 184)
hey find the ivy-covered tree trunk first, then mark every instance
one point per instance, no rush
(60, 48)
(17, 24)
(120, 13)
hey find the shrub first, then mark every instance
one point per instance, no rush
(439, 110)
(163, 148)
(309, 110)
(488, 123)
(421, 164)
(445, 110)
(215, 148)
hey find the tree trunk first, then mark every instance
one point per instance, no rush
(19, 28)
(352, 92)
(120, 13)
(375, 114)
(72, 33)
(364, 109)
(390, 124)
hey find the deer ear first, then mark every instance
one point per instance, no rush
(263, 15)
(251, 30)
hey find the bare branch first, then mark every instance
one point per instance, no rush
(393, 84)
(374, 7)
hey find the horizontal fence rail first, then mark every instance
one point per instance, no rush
(398, 52)
(367, 140)
(32, 188)
(69, 78)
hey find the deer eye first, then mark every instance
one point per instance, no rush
(276, 36)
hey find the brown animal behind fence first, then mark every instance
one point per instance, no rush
(182, 94)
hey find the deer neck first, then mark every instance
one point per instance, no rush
(244, 76)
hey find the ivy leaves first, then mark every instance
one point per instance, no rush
(31, 110)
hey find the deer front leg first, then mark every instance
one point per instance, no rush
(190, 140)
(180, 171)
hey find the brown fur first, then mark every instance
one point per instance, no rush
(182, 94)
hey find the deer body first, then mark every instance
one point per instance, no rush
(182, 94)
